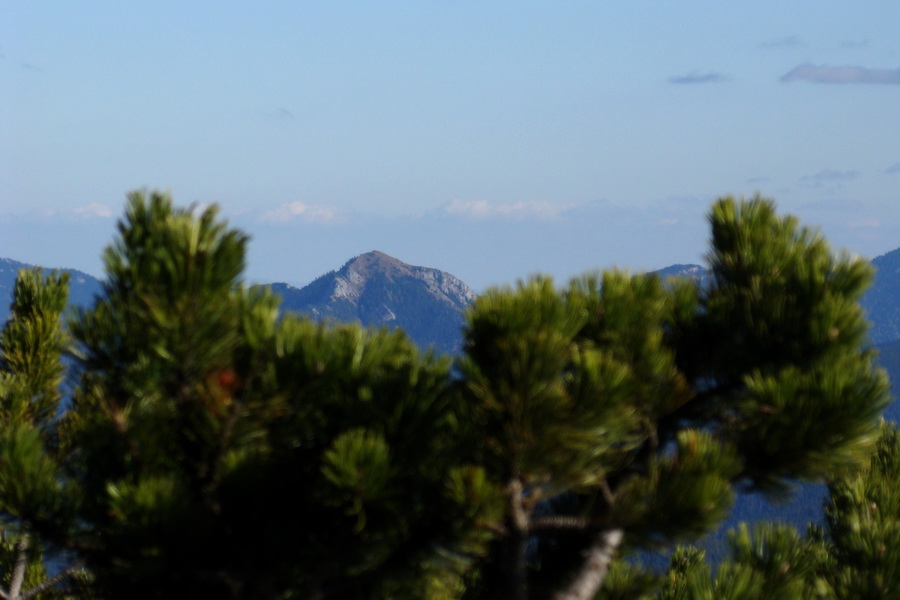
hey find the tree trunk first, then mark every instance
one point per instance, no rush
(598, 557)
(17, 578)
(18, 574)
(510, 579)
(516, 545)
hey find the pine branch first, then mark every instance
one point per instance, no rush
(49, 583)
(218, 462)
(563, 523)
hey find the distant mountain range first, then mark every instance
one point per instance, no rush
(373, 289)
(378, 290)
(82, 287)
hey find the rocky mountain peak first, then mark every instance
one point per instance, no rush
(358, 273)
(376, 262)
(378, 289)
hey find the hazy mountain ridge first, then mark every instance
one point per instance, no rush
(689, 271)
(82, 287)
(351, 294)
(373, 289)
(378, 289)
(881, 302)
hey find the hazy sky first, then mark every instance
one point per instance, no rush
(488, 139)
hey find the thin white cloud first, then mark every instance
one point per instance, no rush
(94, 210)
(301, 211)
(842, 75)
(894, 169)
(484, 210)
(695, 78)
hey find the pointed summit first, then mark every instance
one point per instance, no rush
(376, 261)
(378, 289)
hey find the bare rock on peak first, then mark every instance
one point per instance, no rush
(376, 289)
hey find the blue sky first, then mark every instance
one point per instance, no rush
(489, 139)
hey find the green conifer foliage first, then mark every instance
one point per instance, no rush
(224, 452)
(32, 343)
(687, 577)
(863, 517)
(33, 500)
(854, 558)
(214, 449)
(629, 408)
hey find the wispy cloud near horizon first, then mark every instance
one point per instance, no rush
(695, 78)
(484, 210)
(842, 75)
(303, 212)
(94, 210)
